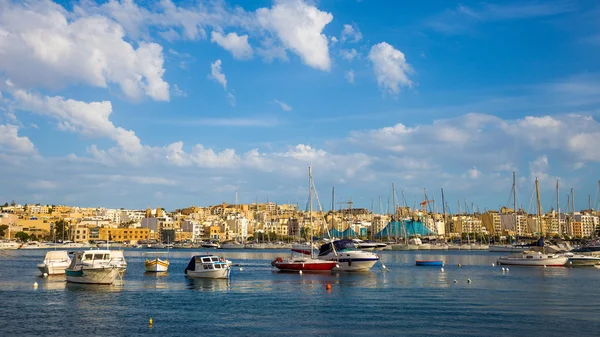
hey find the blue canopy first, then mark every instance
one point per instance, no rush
(399, 228)
(346, 233)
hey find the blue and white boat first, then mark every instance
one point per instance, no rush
(95, 267)
(208, 266)
(347, 256)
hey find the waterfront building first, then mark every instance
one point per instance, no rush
(124, 234)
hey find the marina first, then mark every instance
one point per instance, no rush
(397, 300)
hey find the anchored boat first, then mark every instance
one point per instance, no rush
(55, 262)
(94, 267)
(156, 264)
(347, 256)
(208, 266)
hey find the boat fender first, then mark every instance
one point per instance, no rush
(349, 262)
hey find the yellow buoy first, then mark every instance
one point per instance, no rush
(150, 322)
(459, 264)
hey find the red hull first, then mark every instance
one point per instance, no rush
(308, 266)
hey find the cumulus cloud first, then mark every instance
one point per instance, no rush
(43, 45)
(237, 45)
(216, 73)
(299, 27)
(11, 142)
(348, 54)
(390, 67)
(351, 33)
(282, 105)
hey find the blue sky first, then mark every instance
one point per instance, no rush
(129, 104)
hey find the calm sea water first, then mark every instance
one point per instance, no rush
(258, 301)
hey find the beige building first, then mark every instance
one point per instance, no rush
(124, 234)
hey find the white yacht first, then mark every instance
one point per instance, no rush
(208, 244)
(208, 266)
(55, 262)
(33, 245)
(9, 245)
(93, 267)
(231, 245)
(364, 245)
(71, 244)
(532, 258)
(580, 260)
(347, 256)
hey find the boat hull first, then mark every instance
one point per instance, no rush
(211, 274)
(92, 276)
(535, 262)
(429, 263)
(507, 249)
(53, 268)
(325, 266)
(156, 265)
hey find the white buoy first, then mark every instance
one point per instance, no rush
(455, 281)
(45, 274)
(493, 265)
(468, 280)
(503, 269)
(35, 285)
(300, 272)
(442, 270)
(507, 269)
(383, 266)
(241, 268)
(544, 266)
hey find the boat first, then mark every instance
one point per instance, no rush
(364, 245)
(55, 262)
(71, 244)
(303, 261)
(93, 267)
(508, 248)
(304, 248)
(380, 246)
(347, 256)
(33, 245)
(156, 264)
(580, 260)
(212, 245)
(9, 245)
(429, 263)
(231, 245)
(208, 266)
(533, 258)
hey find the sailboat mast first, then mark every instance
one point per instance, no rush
(310, 207)
(539, 207)
(558, 208)
(517, 227)
(393, 222)
(444, 214)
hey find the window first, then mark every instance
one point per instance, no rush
(88, 256)
(98, 256)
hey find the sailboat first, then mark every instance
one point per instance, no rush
(534, 258)
(302, 262)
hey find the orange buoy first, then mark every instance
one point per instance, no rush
(328, 287)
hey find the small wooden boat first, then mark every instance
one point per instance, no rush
(429, 263)
(156, 264)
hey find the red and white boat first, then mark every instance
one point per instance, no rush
(303, 261)
(304, 264)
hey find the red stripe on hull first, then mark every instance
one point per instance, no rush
(306, 266)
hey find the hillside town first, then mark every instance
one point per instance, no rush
(272, 221)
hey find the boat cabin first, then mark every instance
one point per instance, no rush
(338, 245)
(91, 258)
(206, 262)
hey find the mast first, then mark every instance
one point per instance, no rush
(558, 209)
(332, 206)
(444, 214)
(393, 222)
(539, 207)
(310, 207)
(517, 227)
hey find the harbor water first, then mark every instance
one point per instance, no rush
(407, 300)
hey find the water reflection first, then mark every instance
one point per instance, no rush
(101, 288)
(208, 284)
(157, 274)
(53, 282)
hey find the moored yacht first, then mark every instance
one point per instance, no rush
(364, 245)
(55, 262)
(532, 258)
(347, 256)
(208, 266)
(580, 260)
(93, 267)
(9, 245)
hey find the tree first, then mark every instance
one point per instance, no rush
(12, 203)
(22, 236)
(60, 229)
(3, 229)
(6, 204)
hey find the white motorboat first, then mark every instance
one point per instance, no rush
(71, 244)
(55, 262)
(232, 245)
(255, 245)
(156, 264)
(580, 260)
(364, 245)
(347, 256)
(532, 258)
(212, 245)
(507, 248)
(9, 245)
(94, 267)
(208, 266)
(33, 245)
(380, 246)
(304, 248)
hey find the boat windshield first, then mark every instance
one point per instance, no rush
(340, 246)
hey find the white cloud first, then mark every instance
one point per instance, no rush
(539, 168)
(348, 54)
(299, 27)
(11, 142)
(350, 76)
(351, 34)
(216, 74)
(42, 185)
(89, 119)
(44, 45)
(231, 98)
(237, 45)
(177, 91)
(391, 69)
(474, 173)
(282, 105)
(333, 40)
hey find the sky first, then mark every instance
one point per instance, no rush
(129, 104)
